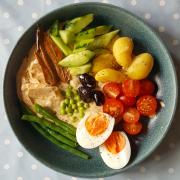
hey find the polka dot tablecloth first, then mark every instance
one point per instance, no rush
(15, 17)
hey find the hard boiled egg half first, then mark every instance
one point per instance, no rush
(116, 150)
(94, 129)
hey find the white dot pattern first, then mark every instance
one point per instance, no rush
(20, 2)
(7, 141)
(20, 28)
(176, 16)
(162, 3)
(6, 166)
(20, 154)
(19, 178)
(46, 178)
(133, 2)
(34, 15)
(170, 170)
(147, 16)
(48, 2)
(33, 166)
(6, 15)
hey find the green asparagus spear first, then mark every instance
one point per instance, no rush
(59, 144)
(47, 115)
(33, 118)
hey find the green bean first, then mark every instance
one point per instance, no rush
(59, 144)
(50, 125)
(60, 137)
(47, 115)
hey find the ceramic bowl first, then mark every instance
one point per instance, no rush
(145, 40)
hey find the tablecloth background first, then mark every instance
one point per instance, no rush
(15, 17)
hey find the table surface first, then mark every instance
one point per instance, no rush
(15, 17)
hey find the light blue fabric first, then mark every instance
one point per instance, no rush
(18, 15)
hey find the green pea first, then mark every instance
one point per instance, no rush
(77, 98)
(80, 104)
(63, 105)
(74, 106)
(81, 109)
(81, 114)
(72, 101)
(66, 101)
(76, 111)
(69, 109)
(86, 105)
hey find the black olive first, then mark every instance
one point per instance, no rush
(85, 94)
(98, 97)
(87, 80)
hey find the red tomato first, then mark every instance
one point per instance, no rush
(147, 87)
(131, 115)
(132, 128)
(112, 90)
(114, 108)
(128, 101)
(131, 88)
(147, 105)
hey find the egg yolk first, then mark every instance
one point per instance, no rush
(115, 143)
(96, 124)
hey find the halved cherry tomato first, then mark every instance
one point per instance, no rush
(114, 107)
(147, 87)
(128, 101)
(147, 105)
(131, 115)
(131, 88)
(132, 128)
(112, 90)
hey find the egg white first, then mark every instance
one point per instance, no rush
(119, 160)
(88, 141)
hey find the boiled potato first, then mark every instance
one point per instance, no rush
(110, 75)
(110, 45)
(104, 61)
(122, 51)
(141, 66)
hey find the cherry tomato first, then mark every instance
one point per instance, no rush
(132, 128)
(131, 88)
(114, 107)
(131, 115)
(147, 105)
(112, 90)
(147, 87)
(128, 101)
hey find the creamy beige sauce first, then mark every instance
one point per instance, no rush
(32, 88)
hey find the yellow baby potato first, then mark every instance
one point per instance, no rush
(122, 50)
(103, 61)
(110, 75)
(141, 66)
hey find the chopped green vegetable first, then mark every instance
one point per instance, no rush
(67, 36)
(102, 41)
(99, 30)
(88, 34)
(62, 46)
(81, 45)
(79, 23)
(81, 69)
(50, 125)
(59, 144)
(77, 59)
(54, 29)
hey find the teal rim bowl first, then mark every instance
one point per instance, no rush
(145, 40)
